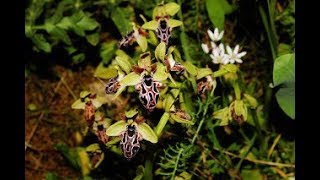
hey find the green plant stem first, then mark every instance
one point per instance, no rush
(271, 39)
(162, 123)
(256, 122)
(246, 153)
(176, 164)
(256, 160)
(237, 90)
(148, 170)
(183, 36)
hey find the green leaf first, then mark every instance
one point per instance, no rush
(105, 72)
(130, 79)
(122, 18)
(107, 51)
(284, 49)
(58, 33)
(216, 13)
(87, 23)
(116, 128)
(151, 25)
(78, 58)
(51, 176)
(160, 74)
(147, 133)
(41, 43)
(253, 174)
(93, 39)
(284, 69)
(162, 123)
(160, 51)
(286, 100)
(172, 8)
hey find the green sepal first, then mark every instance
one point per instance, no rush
(116, 128)
(147, 133)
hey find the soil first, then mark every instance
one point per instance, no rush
(49, 120)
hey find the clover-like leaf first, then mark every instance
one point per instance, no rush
(143, 43)
(78, 104)
(147, 133)
(131, 113)
(174, 23)
(160, 74)
(160, 51)
(130, 79)
(180, 120)
(203, 72)
(124, 64)
(116, 128)
(151, 25)
(172, 8)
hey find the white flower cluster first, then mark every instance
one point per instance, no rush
(218, 54)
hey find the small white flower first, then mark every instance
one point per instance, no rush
(218, 55)
(216, 36)
(205, 48)
(235, 56)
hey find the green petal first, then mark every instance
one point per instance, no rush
(124, 64)
(143, 43)
(203, 72)
(84, 94)
(160, 74)
(180, 120)
(145, 61)
(159, 11)
(251, 100)
(152, 25)
(172, 8)
(78, 104)
(105, 72)
(160, 51)
(192, 69)
(116, 128)
(238, 107)
(130, 79)
(131, 113)
(147, 133)
(174, 23)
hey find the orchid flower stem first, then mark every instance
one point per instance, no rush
(237, 90)
(162, 123)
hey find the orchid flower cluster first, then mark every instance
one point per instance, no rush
(156, 82)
